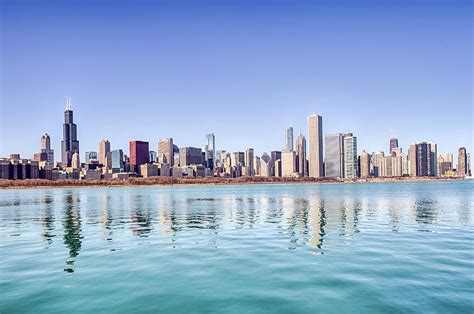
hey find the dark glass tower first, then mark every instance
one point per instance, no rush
(69, 144)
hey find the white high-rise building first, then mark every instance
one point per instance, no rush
(288, 164)
(315, 143)
(289, 138)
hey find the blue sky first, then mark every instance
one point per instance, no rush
(244, 70)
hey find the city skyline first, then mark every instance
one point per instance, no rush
(414, 83)
(104, 146)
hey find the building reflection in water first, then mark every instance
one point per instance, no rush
(47, 218)
(317, 222)
(140, 215)
(72, 228)
(106, 215)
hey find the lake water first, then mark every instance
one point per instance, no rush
(375, 247)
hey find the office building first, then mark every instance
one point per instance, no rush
(334, 156)
(45, 147)
(249, 162)
(350, 157)
(274, 156)
(104, 150)
(265, 165)
(288, 158)
(301, 168)
(166, 151)
(153, 156)
(91, 155)
(190, 156)
(277, 165)
(364, 164)
(420, 159)
(149, 170)
(289, 138)
(117, 161)
(433, 159)
(139, 154)
(256, 165)
(69, 144)
(75, 161)
(393, 144)
(315, 143)
(210, 150)
(462, 167)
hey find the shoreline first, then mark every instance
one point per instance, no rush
(211, 181)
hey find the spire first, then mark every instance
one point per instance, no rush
(68, 104)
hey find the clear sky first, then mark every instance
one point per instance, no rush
(244, 70)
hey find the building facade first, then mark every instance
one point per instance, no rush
(350, 157)
(301, 163)
(45, 147)
(139, 154)
(393, 144)
(210, 150)
(104, 150)
(165, 151)
(462, 168)
(315, 143)
(288, 158)
(289, 138)
(190, 156)
(117, 160)
(69, 144)
(364, 164)
(334, 156)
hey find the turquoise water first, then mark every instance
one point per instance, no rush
(396, 247)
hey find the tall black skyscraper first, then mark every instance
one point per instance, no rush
(393, 144)
(69, 144)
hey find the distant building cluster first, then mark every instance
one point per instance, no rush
(339, 157)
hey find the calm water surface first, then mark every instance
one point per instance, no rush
(396, 247)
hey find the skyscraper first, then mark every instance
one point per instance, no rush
(288, 163)
(210, 150)
(265, 165)
(433, 159)
(412, 160)
(462, 162)
(90, 155)
(139, 154)
(45, 147)
(190, 156)
(393, 144)
(75, 161)
(104, 150)
(165, 151)
(334, 156)
(153, 156)
(289, 138)
(275, 155)
(377, 161)
(315, 141)
(364, 164)
(249, 166)
(117, 160)
(69, 144)
(350, 157)
(301, 155)
(420, 159)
